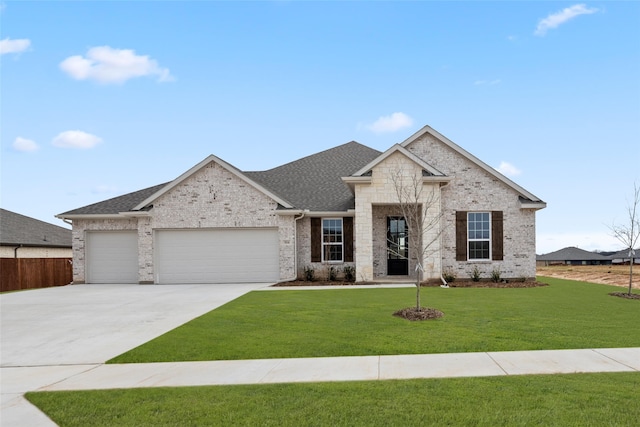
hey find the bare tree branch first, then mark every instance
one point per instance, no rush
(419, 204)
(629, 233)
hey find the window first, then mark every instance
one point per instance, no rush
(332, 240)
(479, 235)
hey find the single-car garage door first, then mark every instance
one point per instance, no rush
(217, 256)
(112, 257)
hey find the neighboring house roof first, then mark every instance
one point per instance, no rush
(16, 229)
(528, 200)
(624, 254)
(572, 254)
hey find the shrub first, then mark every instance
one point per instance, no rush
(449, 275)
(475, 274)
(349, 273)
(495, 275)
(309, 274)
(332, 274)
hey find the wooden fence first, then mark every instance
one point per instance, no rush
(32, 273)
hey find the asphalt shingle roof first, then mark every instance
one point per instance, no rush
(123, 203)
(16, 229)
(572, 254)
(313, 182)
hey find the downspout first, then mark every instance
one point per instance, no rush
(15, 251)
(295, 247)
(444, 282)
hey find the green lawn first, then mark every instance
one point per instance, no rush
(544, 400)
(339, 322)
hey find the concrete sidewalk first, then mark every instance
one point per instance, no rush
(17, 411)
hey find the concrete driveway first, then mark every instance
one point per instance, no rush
(48, 335)
(88, 324)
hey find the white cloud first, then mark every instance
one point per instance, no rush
(108, 65)
(508, 169)
(14, 46)
(392, 123)
(23, 144)
(76, 139)
(556, 19)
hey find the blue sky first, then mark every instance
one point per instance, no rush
(100, 99)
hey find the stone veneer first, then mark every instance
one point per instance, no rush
(212, 197)
(371, 219)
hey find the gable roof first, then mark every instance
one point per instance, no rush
(572, 254)
(397, 148)
(211, 158)
(314, 182)
(16, 229)
(115, 205)
(530, 200)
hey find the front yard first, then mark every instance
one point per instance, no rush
(551, 400)
(333, 322)
(348, 322)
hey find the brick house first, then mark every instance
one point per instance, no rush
(217, 224)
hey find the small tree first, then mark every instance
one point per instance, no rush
(420, 207)
(628, 233)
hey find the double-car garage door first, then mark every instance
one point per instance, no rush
(187, 256)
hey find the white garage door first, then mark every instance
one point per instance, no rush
(217, 256)
(112, 257)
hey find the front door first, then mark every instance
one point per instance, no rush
(397, 246)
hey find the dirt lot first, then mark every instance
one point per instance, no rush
(617, 275)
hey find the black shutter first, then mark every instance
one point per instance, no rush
(497, 236)
(461, 236)
(347, 229)
(316, 237)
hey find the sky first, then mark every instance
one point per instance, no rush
(99, 99)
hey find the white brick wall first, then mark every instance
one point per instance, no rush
(211, 198)
(30, 252)
(473, 189)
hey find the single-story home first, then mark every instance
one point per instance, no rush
(337, 208)
(623, 257)
(25, 237)
(573, 256)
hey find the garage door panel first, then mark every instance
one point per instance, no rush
(112, 257)
(216, 256)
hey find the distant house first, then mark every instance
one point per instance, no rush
(25, 237)
(572, 256)
(622, 257)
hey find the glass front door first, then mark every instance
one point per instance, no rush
(397, 246)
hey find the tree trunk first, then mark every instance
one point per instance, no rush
(418, 280)
(630, 272)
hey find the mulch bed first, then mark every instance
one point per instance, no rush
(625, 295)
(425, 313)
(456, 284)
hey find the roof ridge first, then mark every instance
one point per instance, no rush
(319, 153)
